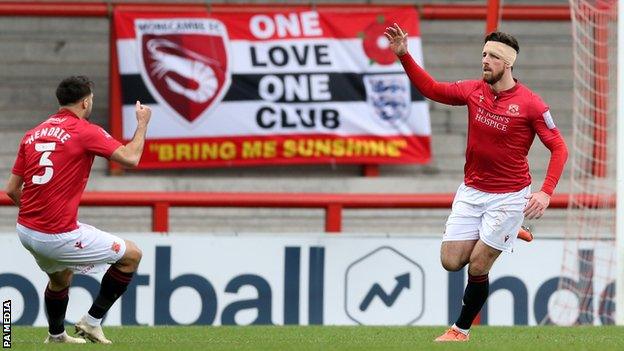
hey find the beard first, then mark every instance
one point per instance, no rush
(88, 112)
(492, 78)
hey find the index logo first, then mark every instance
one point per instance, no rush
(384, 287)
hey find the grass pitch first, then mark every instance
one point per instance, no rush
(299, 338)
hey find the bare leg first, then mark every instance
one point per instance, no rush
(454, 255)
(482, 258)
(129, 263)
(60, 280)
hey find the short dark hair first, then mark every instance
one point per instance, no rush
(72, 89)
(503, 38)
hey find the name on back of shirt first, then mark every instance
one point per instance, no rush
(55, 132)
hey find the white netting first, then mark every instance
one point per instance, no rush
(586, 293)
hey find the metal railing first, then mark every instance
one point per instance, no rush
(161, 202)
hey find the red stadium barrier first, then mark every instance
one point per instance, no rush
(508, 12)
(428, 11)
(160, 202)
(54, 9)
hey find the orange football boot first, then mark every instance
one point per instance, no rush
(453, 335)
(525, 234)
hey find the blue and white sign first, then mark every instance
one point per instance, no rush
(315, 279)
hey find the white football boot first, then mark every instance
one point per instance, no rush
(93, 333)
(63, 339)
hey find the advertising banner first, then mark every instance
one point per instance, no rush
(304, 280)
(269, 86)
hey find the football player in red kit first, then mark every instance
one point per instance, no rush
(503, 118)
(47, 181)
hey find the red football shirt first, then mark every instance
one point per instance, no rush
(501, 129)
(55, 160)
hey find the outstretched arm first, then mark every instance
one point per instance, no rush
(446, 93)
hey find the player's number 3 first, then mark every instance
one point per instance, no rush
(44, 161)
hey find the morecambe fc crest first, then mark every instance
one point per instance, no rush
(184, 63)
(116, 247)
(513, 109)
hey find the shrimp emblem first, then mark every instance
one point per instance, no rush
(184, 64)
(189, 65)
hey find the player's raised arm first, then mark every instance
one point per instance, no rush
(446, 93)
(129, 155)
(398, 40)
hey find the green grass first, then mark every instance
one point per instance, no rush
(334, 338)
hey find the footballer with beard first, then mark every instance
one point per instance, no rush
(503, 118)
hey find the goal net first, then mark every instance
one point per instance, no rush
(586, 290)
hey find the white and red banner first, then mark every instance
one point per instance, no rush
(269, 86)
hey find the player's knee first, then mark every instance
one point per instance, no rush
(478, 268)
(138, 255)
(58, 285)
(133, 253)
(451, 264)
(61, 280)
(131, 258)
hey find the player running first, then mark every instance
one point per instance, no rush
(47, 181)
(495, 197)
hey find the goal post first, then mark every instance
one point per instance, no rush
(590, 288)
(619, 289)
